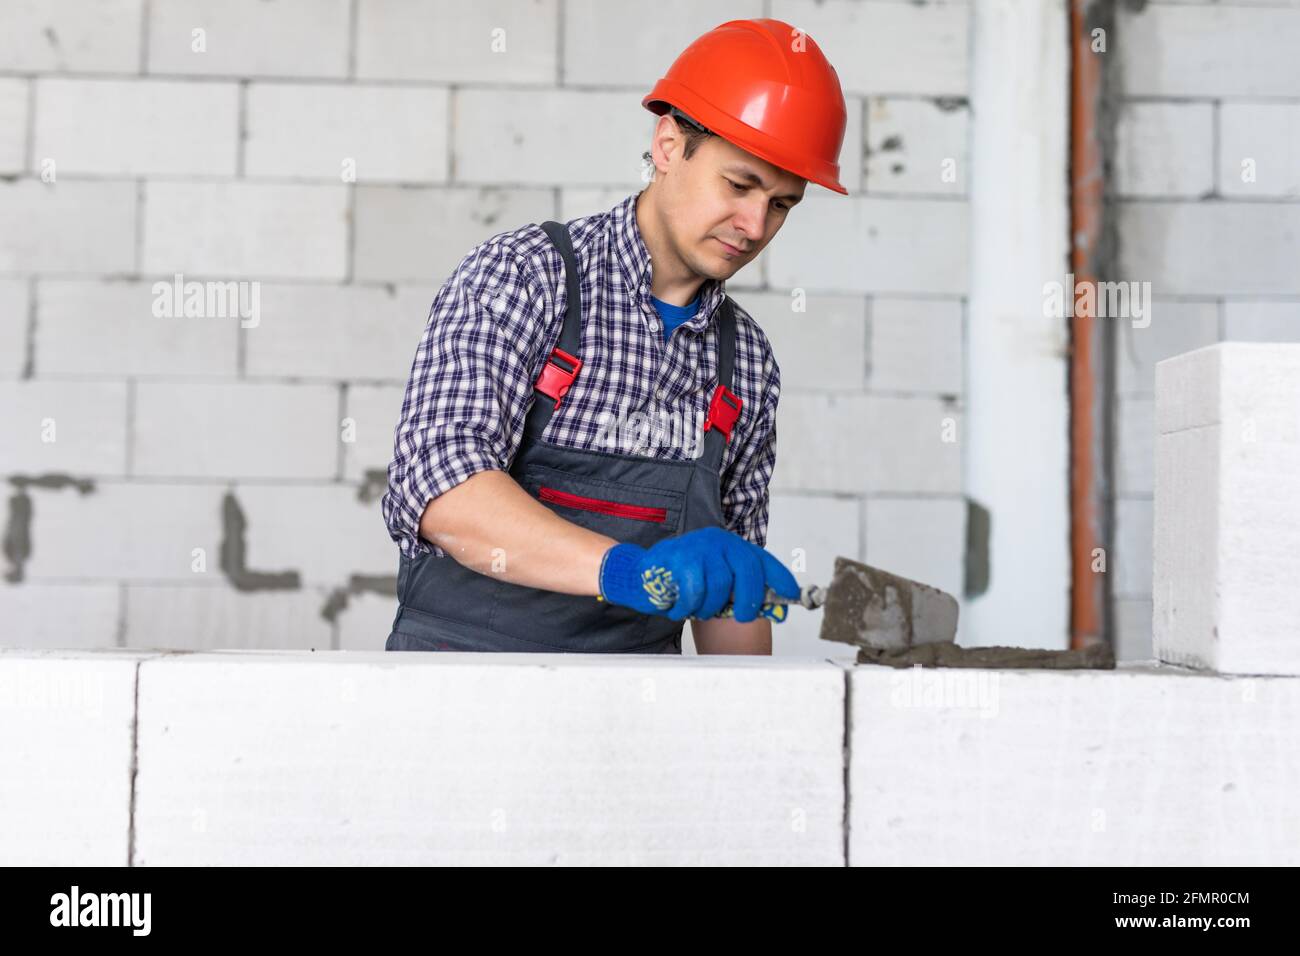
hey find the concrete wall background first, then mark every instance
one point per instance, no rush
(202, 472)
(1209, 91)
(199, 474)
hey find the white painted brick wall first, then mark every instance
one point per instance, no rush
(15, 299)
(294, 527)
(77, 427)
(206, 139)
(1165, 149)
(619, 44)
(859, 444)
(1131, 564)
(13, 125)
(916, 346)
(1220, 50)
(529, 137)
(201, 430)
(1259, 150)
(917, 146)
(93, 329)
(368, 133)
(374, 411)
(850, 244)
(255, 230)
(250, 38)
(1261, 321)
(85, 36)
(336, 333)
(1204, 88)
(450, 42)
(60, 615)
(222, 617)
(137, 128)
(1175, 327)
(364, 624)
(807, 533)
(799, 339)
(69, 227)
(852, 152)
(129, 532)
(888, 47)
(1133, 629)
(919, 538)
(1135, 425)
(1220, 248)
(421, 235)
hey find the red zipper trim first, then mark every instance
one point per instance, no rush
(639, 512)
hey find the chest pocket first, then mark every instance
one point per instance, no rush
(632, 513)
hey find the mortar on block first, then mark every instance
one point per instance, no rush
(900, 622)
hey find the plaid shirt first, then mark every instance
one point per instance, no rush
(496, 319)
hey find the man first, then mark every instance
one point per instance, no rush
(530, 514)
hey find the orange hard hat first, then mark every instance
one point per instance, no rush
(767, 88)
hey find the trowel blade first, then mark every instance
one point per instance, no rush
(873, 608)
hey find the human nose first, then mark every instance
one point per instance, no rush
(751, 219)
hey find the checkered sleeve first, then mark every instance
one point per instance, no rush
(745, 483)
(469, 388)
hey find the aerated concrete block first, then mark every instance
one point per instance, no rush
(388, 758)
(1227, 509)
(65, 745)
(1140, 766)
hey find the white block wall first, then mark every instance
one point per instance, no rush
(66, 741)
(870, 425)
(629, 761)
(1206, 177)
(1227, 521)
(128, 154)
(1143, 766)
(347, 758)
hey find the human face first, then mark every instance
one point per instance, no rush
(725, 205)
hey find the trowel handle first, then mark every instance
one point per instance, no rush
(774, 605)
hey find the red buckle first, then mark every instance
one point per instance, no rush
(723, 410)
(555, 379)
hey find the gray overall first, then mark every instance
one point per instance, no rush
(443, 605)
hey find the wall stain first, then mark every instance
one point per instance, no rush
(234, 550)
(978, 526)
(337, 602)
(374, 482)
(16, 539)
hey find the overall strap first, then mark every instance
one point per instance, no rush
(562, 364)
(725, 405)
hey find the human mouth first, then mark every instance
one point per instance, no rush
(730, 249)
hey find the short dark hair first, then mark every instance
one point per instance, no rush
(694, 132)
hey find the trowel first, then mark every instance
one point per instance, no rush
(872, 608)
(901, 623)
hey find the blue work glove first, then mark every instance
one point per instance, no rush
(694, 575)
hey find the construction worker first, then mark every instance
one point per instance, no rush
(531, 514)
